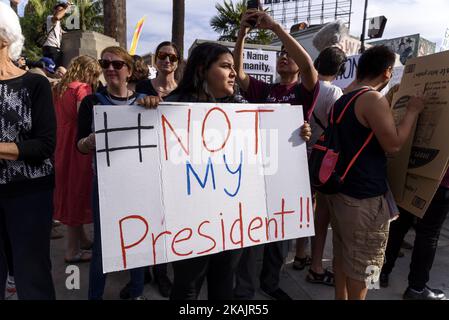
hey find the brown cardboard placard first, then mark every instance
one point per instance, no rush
(416, 171)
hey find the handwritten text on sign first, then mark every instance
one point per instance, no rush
(189, 180)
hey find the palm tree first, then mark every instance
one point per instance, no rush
(178, 25)
(227, 23)
(91, 15)
(115, 20)
(110, 18)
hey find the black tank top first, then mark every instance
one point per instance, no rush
(367, 178)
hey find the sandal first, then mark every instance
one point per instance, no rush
(326, 278)
(301, 263)
(80, 257)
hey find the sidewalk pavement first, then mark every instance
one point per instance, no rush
(292, 281)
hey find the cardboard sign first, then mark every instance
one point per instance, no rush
(416, 172)
(188, 180)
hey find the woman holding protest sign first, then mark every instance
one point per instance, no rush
(117, 67)
(209, 77)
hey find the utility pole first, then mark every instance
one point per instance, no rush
(362, 38)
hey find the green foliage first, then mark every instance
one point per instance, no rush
(227, 23)
(35, 17)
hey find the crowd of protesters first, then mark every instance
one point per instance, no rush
(47, 168)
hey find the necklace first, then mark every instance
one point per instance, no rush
(112, 101)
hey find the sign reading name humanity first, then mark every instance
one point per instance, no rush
(187, 180)
(260, 64)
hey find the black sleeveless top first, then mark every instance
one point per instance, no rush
(368, 177)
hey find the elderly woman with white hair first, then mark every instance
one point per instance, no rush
(27, 141)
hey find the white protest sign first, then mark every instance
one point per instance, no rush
(189, 180)
(260, 64)
(350, 74)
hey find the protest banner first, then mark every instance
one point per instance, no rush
(259, 61)
(417, 170)
(188, 180)
(350, 74)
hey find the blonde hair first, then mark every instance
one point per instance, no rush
(83, 69)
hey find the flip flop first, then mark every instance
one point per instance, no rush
(78, 258)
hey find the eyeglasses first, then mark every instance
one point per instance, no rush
(282, 53)
(116, 64)
(162, 55)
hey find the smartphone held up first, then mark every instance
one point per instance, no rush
(253, 5)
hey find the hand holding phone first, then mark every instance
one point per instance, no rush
(253, 5)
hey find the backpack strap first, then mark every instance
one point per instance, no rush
(346, 106)
(103, 99)
(314, 101)
(368, 139)
(318, 121)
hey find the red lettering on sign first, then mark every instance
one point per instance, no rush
(122, 240)
(204, 128)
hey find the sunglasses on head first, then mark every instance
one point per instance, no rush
(116, 64)
(171, 56)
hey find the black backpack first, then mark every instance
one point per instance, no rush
(327, 167)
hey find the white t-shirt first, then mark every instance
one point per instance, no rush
(55, 36)
(326, 98)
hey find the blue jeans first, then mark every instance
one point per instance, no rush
(97, 279)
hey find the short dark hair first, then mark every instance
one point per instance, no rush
(61, 4)
(374, 62)
(331, 62)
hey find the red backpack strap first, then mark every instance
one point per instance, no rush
(367, 141)
(350, 102)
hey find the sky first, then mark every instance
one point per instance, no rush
(405, 17)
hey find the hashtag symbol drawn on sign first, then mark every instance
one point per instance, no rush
(139, 128)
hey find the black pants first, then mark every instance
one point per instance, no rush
(427, 233)
(27, 221)
(274, 254)
(219, 269)
(53, 53)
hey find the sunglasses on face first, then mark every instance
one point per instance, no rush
(162, 56)
(116, 64)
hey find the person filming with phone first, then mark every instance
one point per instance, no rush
(52, 45)
(298, 85)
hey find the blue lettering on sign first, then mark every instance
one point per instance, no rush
(239, 170)
(189, 169)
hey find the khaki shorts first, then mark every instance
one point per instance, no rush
(360, 234)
